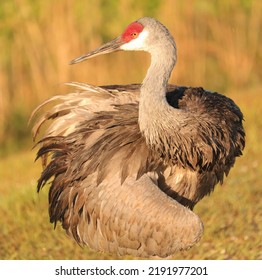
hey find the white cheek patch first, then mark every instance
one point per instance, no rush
(136, 44)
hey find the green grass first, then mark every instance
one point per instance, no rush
(232, 215)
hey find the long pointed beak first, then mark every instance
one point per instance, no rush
(109, 47)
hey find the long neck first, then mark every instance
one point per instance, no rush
(155, 114)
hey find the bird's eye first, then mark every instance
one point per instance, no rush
(134, 34)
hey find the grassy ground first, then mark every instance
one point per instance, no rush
(232, 214)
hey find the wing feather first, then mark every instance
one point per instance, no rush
(112, 191)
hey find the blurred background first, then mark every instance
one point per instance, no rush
(219, 48)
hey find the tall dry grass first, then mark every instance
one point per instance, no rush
(219, 47)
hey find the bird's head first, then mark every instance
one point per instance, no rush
(141, 35)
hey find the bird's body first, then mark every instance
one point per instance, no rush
(130, 162)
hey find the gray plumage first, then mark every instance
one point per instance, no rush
(130, 162)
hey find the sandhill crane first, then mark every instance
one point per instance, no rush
(129, 162)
